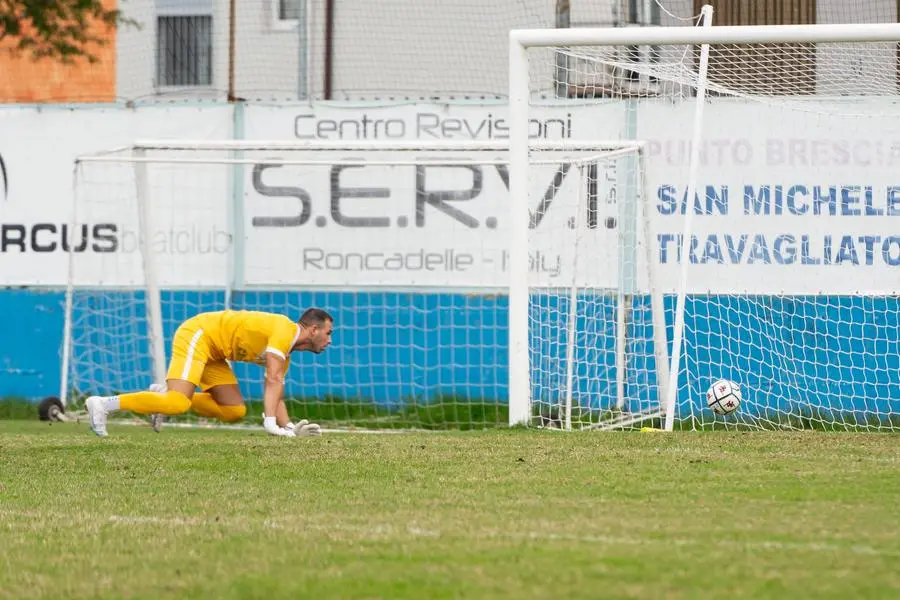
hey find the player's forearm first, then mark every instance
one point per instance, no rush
(272, 397)
(275, 366)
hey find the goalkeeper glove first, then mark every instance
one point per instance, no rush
(271, 427)
(305, 429)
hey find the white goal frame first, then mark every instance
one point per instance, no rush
(519, 95)
(538, 152)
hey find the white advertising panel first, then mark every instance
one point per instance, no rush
(432, 224)
(798, 202)
(38, 149)
(788, 201)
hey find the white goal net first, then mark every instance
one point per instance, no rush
(407, 245)
(737, 222)
(772, 194)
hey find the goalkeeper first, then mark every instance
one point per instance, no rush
(200, 350)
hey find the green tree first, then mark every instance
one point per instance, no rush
(57, 29)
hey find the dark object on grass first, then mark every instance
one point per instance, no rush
(51, 409)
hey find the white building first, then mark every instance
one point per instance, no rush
(286, 50)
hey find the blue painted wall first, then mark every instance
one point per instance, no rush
(788, 352)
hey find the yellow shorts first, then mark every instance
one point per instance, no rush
(190, 359)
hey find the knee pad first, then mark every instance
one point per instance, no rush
(230, 414)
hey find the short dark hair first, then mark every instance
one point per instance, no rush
(315, 316)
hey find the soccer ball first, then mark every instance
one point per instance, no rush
(724, 397)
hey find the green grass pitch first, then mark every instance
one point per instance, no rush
(477, 514)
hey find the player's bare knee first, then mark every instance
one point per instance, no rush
(232, 414)
(186, 388)
(227, 394)
(177, 403)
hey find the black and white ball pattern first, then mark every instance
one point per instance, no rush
(724, 397)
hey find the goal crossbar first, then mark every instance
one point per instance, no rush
(578, 152)
(370, 146)
(731, 34)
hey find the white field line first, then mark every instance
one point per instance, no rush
(413, 531)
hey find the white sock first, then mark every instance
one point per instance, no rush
(111, 403)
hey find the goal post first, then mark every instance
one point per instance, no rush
(407, 244)
(812, 338)
(146, 223)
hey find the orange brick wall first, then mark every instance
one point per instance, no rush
(23, 79)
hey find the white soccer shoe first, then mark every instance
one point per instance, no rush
(96, 407)
(306, 429)
(156, 419)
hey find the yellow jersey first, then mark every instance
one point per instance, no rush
(247, 336)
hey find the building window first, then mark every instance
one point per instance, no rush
(288, 10)
(184, 50)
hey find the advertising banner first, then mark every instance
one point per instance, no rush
(787, 201)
